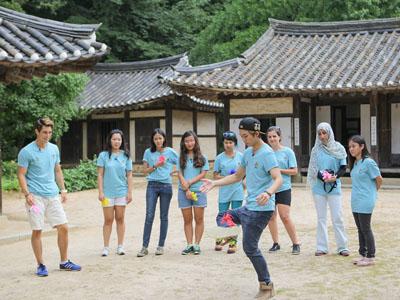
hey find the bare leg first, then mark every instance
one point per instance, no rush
(284, 213)
(273, 228)
(107, 227)
(199, 220)
(120, 220)
(36, 241)
(188, 224)
(63, 241)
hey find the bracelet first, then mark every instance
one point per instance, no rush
(63, 191)
(269, 194)
(27, 194)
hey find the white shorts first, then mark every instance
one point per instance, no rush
(49, 207)
(110, 202)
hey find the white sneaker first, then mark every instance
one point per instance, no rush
(159, 251)
(105, 252)
(120, 250)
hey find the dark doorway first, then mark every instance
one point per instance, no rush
(346, 122)
(71, 144)
(143, 130)
(265, 124)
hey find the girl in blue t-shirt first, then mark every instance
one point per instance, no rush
(327, 164)
(158, 164)
(192, 167)
(283, 197)
(366, 180)
(114, 181)
(230, 196)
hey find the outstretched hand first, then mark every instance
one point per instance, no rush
(207, 185)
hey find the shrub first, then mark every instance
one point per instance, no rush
(10, 169)
(82, 177)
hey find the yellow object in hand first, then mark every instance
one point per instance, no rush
(194, 196)
(105, 202)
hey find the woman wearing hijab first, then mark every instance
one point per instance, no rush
(327, 164)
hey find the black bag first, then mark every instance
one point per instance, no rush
(331, 184)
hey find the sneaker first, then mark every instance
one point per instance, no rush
(105, 252)
(275, 247)
(143, 252)
(41, 271)
(196, 249)
(296, 249)
(367, 261)
(159, 250)
(120, 250)
(344, 253)
(187, 250)
(320, 253)
(232, 246)
(266, 291)
(70, 266)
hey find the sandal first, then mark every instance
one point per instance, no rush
(232, 246)
(320, 253)
(344, 253)
(220, 243)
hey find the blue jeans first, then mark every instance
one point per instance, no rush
(154, 191)
(253, 223)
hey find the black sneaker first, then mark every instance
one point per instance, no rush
(189, 249)
(296, 249)
(275, 247)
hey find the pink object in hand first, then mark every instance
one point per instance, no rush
(227, 219)
(161, 159)
(326, 175)
(35, 208)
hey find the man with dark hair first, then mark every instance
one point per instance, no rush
(263, 178)
(40, 178)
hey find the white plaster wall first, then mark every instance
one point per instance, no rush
(234, 126)
(206, 123)
(182, 120)
(365, 123)
(395, 111)
(162, 124)
(208, 146)
(323, 114)
(147, 113)
(286, 126)
(176, 141)
(261, 106)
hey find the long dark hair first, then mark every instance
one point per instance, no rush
(153, 147)
(358, 139)
(124, 146)
(198, 158)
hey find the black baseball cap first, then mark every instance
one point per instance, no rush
(251, 124)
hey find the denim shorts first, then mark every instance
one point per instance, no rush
(186, 203)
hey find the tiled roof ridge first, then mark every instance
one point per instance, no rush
(234, 62)
(352, 26)
(51, 26)
(180, 59)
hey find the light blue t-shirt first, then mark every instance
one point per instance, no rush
(115, 182)
(258, 177)
(163, 173)
(191, 171)
(40, 165)
(363, 190)
(326, 161)
(225, 166)
(286, 160)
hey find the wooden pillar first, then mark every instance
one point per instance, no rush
(168, 124)
(195, 120)
(226, 112)
(313, 121)
(384, 130)
(127, 121)
(373, 102)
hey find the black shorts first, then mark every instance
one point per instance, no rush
(284, 197)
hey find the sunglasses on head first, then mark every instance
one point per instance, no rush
(228, 135)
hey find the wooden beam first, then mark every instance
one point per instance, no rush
(168, 122)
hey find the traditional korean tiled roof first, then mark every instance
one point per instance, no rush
(129, 84)
(32, 46)
(295, 57)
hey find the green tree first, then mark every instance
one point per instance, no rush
(21, 105)
(241, 22)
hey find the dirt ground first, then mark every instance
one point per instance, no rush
(211, 275)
